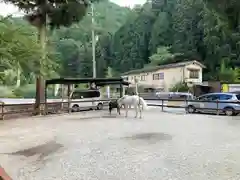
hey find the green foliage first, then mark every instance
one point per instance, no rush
(163, 56)
(20, 52)
(6, 92)
(179, 87)
(229, 9)
(74, 43)
(60, 13)
(237, 72)
(27, 91)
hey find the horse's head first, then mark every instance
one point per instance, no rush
(119, 101)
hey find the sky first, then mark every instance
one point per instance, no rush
(9, 9)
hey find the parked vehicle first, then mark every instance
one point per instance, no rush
(174, 95)
(229, 104)
(86, 99)
(181, 96)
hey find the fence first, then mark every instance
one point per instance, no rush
(217, 107)
(8, 111)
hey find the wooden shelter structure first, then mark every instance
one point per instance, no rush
(93, 83)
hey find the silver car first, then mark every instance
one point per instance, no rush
(223, 103)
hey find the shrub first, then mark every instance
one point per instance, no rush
(6, 92)
(26, 91)
(29, 91)
(179, 87)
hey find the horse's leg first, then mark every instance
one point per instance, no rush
(126, 110)
(140, 111)
(118, 110)
(136, 110)
(110, 110)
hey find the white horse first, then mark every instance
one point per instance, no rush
(134, 100)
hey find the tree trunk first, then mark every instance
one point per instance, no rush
(40, 84)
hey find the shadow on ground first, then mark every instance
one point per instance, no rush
(43, 150)
(149, 137)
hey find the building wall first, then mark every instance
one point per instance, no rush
(168, 77)
(171, 77)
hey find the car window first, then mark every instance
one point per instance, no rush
(214, 97)
(91, 94)
(238, 96)
(225, 97)
(77, 95)
(203, 98)
(85, 94)
(210, 97)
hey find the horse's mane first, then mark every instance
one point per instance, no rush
(120, 99)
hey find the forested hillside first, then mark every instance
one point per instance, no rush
(157, 33)
(176, 30)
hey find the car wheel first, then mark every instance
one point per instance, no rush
(191, 109)
(229, 111)
(100, 106)
(75, 108)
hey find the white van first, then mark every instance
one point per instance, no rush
(93, 98)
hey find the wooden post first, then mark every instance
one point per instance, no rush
(69, 93)
(124, 90)
(2, 111)
(162, 104)
(45, 99)
(121, 90)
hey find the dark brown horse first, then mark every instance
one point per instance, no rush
(114, 104)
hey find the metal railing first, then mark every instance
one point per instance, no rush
(219, 106)
(8, 111)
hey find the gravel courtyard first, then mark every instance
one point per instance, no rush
(95, 146)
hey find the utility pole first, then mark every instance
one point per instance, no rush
(93, 44)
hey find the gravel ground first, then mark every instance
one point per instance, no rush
(93, 145)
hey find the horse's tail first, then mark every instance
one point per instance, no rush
(143, 103)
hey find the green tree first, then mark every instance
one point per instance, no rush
(162, 56)
(229, 9)
(54, 13)
(80, 35)
(20, 51)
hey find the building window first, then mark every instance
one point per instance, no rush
(143, 77)
(193, 74)
(158, 76)
(161, 75)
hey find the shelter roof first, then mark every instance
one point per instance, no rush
(97, 81)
